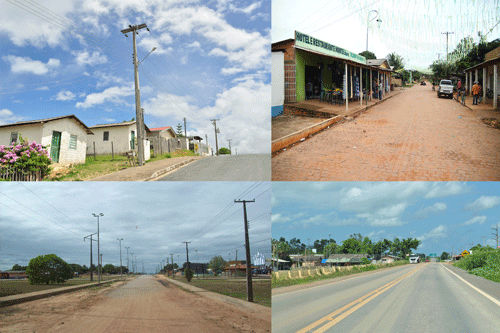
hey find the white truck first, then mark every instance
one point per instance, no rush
(414, 259)
(445, 88)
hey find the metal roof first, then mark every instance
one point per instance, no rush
(46, 120)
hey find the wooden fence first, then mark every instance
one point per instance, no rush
(8, 173)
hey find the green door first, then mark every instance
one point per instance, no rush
(132, 140)
(55, 146)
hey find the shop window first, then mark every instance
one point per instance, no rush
(105, 136)
(72, 142)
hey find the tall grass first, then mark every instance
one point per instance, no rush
(483, 262)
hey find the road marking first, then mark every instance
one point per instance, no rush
(329, 320)
(333, 282)
(491, 298)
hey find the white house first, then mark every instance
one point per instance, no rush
(116, 138)
(65, 137)
(165, 132)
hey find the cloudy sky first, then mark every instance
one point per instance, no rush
(212, 60)
(440, 214)
(411, 28)
(153, 220)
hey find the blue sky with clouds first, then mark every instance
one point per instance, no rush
(440, 214)
(212, 61)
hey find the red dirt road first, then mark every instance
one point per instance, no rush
(145, 305)
(412, 136)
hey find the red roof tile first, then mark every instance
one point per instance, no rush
(159, 128)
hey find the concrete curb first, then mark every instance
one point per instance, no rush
(163, 171)
(16, 299)
(295, 137)
(217, 296)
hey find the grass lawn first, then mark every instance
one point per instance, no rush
(235, 288)
(14, 287)
(106, 164)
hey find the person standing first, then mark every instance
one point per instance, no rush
(480, 93)
(475, 93)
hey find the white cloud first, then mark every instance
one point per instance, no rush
(83, 58)
(438, 232)
(477, 219)
(27, 65)
(437, 207)
(65, 95)
(246, 10)
(440, 190)
(483, 202)
(8, 117)
(42, 88)
(148, 42)
(113, 95)
(278, 218)
(195, 45)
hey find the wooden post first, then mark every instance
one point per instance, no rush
(346, 88)
(371, 85)
(94, 152)
(484, 83)
(495, 86)
(112, 151)
(360, 86)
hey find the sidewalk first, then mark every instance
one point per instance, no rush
(148, 171)
(21, 298)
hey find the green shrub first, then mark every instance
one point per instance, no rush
(189, 274)
(26, 157)
(48, 268)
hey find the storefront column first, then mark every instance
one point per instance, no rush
(477, 76)
(350, 72)
(495, 85)
(371, 85)
(360, 86)
(484, 83)
(466, 80)
(471, 82)
(346, 90)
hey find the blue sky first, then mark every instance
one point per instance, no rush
(440, 214)
(411, 28)
(39, 218)
(212, 61)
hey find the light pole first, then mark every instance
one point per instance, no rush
(98, 251)
(128, 269)
(368, 24)
(132, 255)
(120, 240)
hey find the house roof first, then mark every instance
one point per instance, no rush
(46, 120)
(346, 257)
(124, 123)
(375, 62)
(159, 128)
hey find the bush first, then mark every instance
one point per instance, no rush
(48, 268)
(26, 157)
(189, 274)
(365, 261)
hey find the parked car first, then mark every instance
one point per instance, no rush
(426, 260)
(414, 259)
(423, 83)
(445, 88)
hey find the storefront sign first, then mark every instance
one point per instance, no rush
(313, 44)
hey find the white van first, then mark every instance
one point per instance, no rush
(414, 259)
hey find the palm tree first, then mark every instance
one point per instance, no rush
(396, 61)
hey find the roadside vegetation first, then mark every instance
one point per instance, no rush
(285, 281)
(105, 164)
(484, 262)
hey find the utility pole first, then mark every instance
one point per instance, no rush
(91, 271)
(135, 261)
(128, 269)
(247, 248)
(98, 250)
(185, 132)
(214, 121)
(438, 55)
(143, 267)
(447, 55)
(230, 152)
(187, 254)
(132, 255)
(236, 264)
(483, 237)
(206, 139)
(495, 234)
(120, 240)
(138, 112)
(172, 256)
(236, 149)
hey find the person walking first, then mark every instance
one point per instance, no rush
(475, 93)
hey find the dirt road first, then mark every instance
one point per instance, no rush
(412, 136)
(140, 305)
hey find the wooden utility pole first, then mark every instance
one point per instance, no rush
(230, 153)
(138, 111)
(90, 268)
(247, 248)
(185, 131)
(214, 121)
(495, 234)
(187, 254)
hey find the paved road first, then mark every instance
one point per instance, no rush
(411, 298)
(412, 136)
(250, 167)
(145, 305)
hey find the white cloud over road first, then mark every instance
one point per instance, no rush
(114, 94)
(22, 65)
(483, 202)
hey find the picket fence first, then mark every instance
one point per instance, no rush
(8, 173)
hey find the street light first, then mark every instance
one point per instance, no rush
(98, 251)
(120, 240)
(368, 24)
(154, 48)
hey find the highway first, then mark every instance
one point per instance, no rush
(426, 297)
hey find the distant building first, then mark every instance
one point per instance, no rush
(346, 259)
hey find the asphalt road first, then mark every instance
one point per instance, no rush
(249, 167)
(412, 298)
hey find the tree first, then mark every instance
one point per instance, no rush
(48, 268)
(189, 274)
(396, 61)
(109, 269)
(217, 263)
(331, 248)
(368, 55)
(224, 151)
(445, 255)
(17, 267)
(178, 130)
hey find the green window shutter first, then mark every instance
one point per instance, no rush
(72, 141)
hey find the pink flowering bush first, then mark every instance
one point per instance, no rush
(25, 157)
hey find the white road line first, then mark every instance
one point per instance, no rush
(491, 298)
(333, 282)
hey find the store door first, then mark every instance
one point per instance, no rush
(55, 146)
(313, 82)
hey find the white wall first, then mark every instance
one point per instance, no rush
(67, 127)
(119, 135)
(278, 78)
(32, 132)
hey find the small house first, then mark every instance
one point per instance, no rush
(65, 137)
(346, 259)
